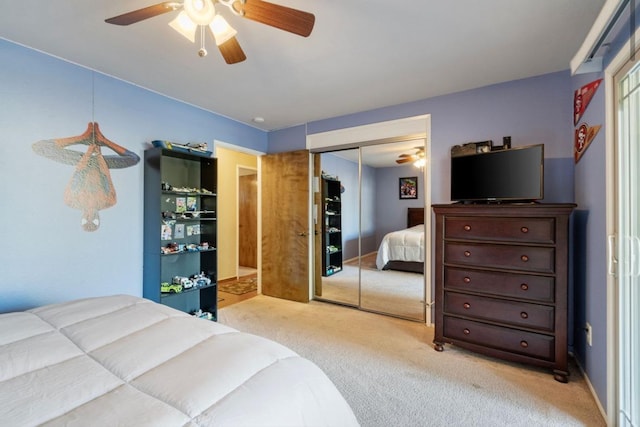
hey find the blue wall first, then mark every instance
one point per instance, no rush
(590, 290)
(48, 257)
(531, 111)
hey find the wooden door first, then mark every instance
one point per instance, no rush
(248, 221)
(285, 225)
(318, 202)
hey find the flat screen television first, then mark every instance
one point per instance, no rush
(515, 174)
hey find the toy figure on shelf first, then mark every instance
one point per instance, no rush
(170, 288)
(202, 314)
(201, 279)
(170, 248)
(184, 281)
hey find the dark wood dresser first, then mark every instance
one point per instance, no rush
(501, 281)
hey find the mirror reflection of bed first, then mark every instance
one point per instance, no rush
(383, 263)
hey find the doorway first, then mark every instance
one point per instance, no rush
(238, 223)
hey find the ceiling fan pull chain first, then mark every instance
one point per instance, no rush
(202, 52)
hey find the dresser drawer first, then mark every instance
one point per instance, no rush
(524, 258)
(535, 230)
(506, 339)
(522, 286)
(523, 314)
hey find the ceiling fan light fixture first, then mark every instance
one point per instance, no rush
(185, 26)
(221, 30)
(198, 14)
(201, 12)
(420, 163)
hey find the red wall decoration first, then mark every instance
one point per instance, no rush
(582, 98)
(584, 134)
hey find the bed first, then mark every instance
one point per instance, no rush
(124, 360)
(403, 250)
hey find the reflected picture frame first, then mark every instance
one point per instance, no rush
(408, 187)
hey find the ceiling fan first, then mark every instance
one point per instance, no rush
(412, 157)
(200, 14)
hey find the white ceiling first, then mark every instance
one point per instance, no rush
(361, 55)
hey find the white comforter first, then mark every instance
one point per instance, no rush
(123, 360)
(402, 245)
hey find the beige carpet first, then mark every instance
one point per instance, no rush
(387, 291)
(389, 373)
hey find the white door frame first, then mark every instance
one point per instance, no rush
(611, 218)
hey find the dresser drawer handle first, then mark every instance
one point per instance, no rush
(524, 229)
(467, 228)
(466, 331)
(524, 315)
(467, 280)
(524, 258)
(524, 287)
(524, 344)
(467, 254)
(466, 305)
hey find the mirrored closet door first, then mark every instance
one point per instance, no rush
(367, 263)
(339, 216)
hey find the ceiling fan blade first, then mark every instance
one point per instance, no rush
(144, 13)
(404, 160)
(231, 51)
(282, 17)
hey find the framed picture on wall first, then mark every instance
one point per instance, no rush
(409, 187)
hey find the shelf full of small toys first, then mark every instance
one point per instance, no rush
(180, 223)
(181, 284)
(332, 223)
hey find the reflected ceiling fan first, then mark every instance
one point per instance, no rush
(417, 158)
(199, 14)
